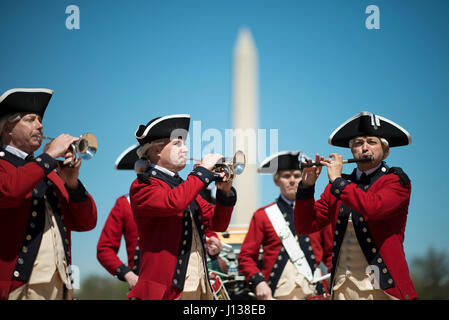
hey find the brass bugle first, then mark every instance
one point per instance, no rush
(303, 165)
(231, 167)
(84, 148)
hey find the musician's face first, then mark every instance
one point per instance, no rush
(173, 155)
(287, 181)
(24, 134)
(367, 146)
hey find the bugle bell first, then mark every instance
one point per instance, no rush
(84, 148)
(231, 167)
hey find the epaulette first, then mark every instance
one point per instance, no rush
(403, 178)
(143, 178)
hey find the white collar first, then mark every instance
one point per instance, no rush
(291, 203)
(367, 172)
(16, 152)
(164, 170)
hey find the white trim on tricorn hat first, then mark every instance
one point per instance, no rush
(265, 166)
(153, 123)
(376, 126)
(34, 100)
(10, 91)
(127, 158)
(275, 155)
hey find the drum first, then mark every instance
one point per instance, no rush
(230, 285)
(218, 287)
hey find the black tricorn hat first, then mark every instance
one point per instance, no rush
(126, 160)
(171, 126)
(285, 160)
(25, 100)
(368, 124)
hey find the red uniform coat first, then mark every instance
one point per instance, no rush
(262, 233)
(119, 222)
(20, 213)
(379, 212)
(160, 214)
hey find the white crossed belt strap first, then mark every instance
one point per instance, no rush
(289, 242)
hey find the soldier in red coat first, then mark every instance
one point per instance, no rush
(170, 214)
(289, 267)
(38, 206)
(120, 222)
(366, 209)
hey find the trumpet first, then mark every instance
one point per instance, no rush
(231, 167)
(85, 148)
(303, 165)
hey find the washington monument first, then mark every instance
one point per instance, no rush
(246, 122)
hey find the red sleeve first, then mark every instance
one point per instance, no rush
(157, 199)
(385, 201)
(16, 183)
(249, 251)
(80, 212)
(82, 216)
(315, 239)
(110, 238)
(211, 234)
(216, 218)
(207, 232)
(327, 243)
(309, 215)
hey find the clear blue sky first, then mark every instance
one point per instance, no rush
(319, 65)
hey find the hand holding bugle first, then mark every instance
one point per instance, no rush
(303, 165)
(229, 167)
(84, 147)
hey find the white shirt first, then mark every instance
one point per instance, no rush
(291, 203)
(367, 172)
(16, 152)
(170, 173)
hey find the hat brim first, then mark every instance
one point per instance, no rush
(284, 160)
(126, 160)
